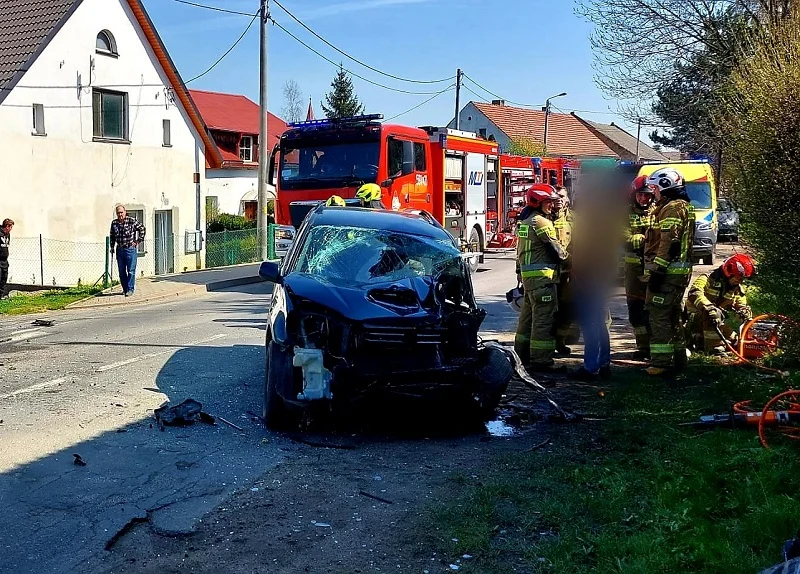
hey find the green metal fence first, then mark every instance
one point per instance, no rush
(232, 247)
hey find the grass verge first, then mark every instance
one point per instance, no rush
(45, 301)
(635, 492)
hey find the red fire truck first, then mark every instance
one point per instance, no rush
(446, 172)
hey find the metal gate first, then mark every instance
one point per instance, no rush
(164, 243)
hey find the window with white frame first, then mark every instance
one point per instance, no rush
(246, 148)
(105, 44)
(38, 120)
(167, 129)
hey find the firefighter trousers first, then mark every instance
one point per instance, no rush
(667, 340)
(703, 334)
(535, 340)
(568, 331)
(635, 297)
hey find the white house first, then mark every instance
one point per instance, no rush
(93, 113)
(234, 122)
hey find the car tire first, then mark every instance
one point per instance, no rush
(278, 368)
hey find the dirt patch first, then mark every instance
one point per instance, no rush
(333, 510)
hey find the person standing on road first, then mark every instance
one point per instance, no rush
(126, 234)
(668, 270)
(640, 219)
(711, 296)
(5, 240)
(567, 330)
(539, 255)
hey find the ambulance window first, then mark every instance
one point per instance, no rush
(419, 157)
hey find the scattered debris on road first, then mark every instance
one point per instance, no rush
(43, 323)
(372, 496)
(308, 442)
(230, 424)
(78, 460)
(186, 413)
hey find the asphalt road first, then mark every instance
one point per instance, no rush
(88, 385)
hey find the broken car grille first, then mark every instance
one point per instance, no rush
(403, 336)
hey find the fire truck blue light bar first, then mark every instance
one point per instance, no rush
(329, 121)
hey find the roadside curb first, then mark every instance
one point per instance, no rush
(185, 292)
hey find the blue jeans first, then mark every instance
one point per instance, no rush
(126, 262)
(592, 307)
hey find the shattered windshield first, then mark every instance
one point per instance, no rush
(348, 256)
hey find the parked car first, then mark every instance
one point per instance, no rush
(728, 216)
(373, 303)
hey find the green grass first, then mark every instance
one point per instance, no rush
(636, 492)
(45, 301)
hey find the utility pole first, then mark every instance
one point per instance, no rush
(547, 117)
(263, 139)
(638, 136)
(458, 99)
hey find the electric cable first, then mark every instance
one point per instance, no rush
(214, 8)
(236, 43)
(433, 97)
(356, 60)
(374, 83)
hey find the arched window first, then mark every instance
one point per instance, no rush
(105, 43)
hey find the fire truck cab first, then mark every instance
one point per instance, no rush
(444, 172)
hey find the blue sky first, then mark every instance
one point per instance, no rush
(523, 50)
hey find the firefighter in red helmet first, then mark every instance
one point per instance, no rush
(712, 296)
(539, 255)
(640, 219)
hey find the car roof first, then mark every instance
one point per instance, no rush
(397, 221)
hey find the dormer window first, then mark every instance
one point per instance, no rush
(105, 44)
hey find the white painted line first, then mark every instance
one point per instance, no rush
(34, 388)
(118, 364)
(24, 335)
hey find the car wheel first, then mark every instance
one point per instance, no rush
(475, 237)
(279, 367)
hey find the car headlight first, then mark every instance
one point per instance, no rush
(703, 226)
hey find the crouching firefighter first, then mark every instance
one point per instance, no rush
(712, 297)
(370, 196)
(539, 255)
(639, 221)
(668, 270)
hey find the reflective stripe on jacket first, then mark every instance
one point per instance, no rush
(712, 290)
(668, 243)
(539, 251)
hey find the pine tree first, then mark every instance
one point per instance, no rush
(341, 101)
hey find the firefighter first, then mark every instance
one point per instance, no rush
(711, 296)
(370, 196)
(668, 270)
(639, 221)
(567, 330)
(539, 254)
(335, 200)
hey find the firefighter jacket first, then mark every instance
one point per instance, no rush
(668, 243)
(713, 290)
(539, 252)
(563, 226)
(639, 221)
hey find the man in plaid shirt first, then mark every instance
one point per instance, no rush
(126, 233)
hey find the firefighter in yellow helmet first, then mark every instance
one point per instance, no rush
(335, 200)
(639, 221)
(370, 196)
(539, 255)
(668, 269)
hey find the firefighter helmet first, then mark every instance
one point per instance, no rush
(335, 200)
(369, 192)
(540, 193)
(639, 185)
(514, 298)
(739, 265)
(667, 179)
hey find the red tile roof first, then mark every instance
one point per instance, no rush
(566, 134)
(235, 113)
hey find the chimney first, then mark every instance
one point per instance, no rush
(498, 102)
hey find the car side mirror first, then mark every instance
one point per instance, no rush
(387, 183)
(270, 272)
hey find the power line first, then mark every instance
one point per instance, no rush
(433, 97)
(356, 60)
(287, 32)
(214, 8)
(236, 43)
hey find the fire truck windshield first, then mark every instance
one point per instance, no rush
(314, 164)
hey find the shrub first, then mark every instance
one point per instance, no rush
(229, 222)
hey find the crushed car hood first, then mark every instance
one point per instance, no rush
(405, 298)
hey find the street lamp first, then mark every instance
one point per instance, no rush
(547, 116)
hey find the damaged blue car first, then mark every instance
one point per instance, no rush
(375, 304)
